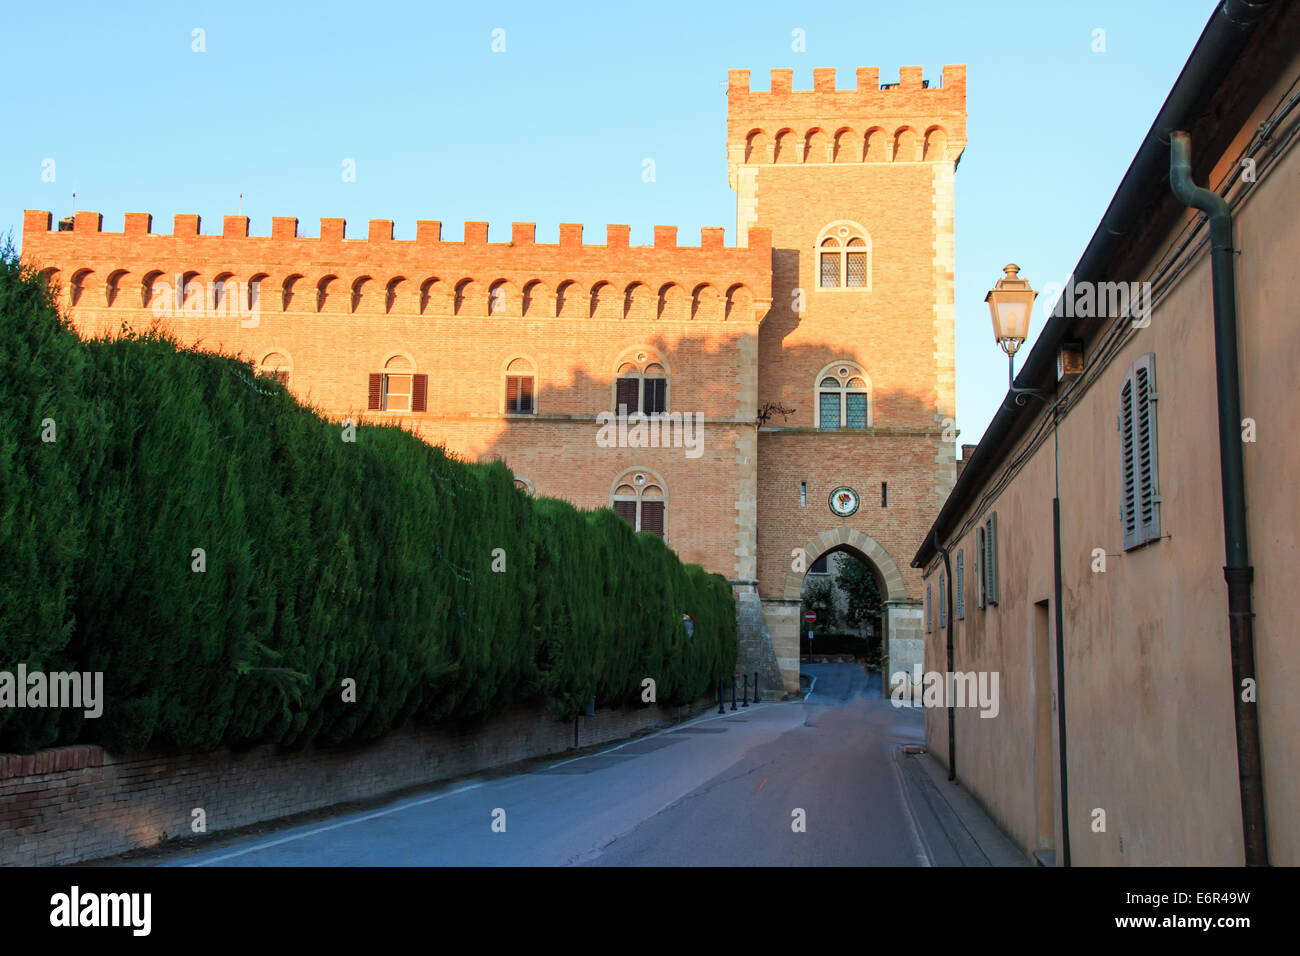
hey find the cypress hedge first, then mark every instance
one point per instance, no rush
(235, 564)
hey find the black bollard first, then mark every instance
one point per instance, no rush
(720, 697)
(744, 696)
(733, 691)
(756, 687)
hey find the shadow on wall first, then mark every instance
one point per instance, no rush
(681, 477)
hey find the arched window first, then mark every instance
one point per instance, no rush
(641, 385)
(524, 485)
(844, 257)
(397, 388)
(223, 287)
(112, 287)
(843, 397)
(640, 500)
(521, 388)
(276, 365)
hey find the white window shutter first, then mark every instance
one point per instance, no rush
(959, 597)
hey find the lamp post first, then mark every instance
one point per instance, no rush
(1011, 303)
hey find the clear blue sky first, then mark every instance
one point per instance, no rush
(555, 128)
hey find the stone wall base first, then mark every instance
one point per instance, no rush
(74, 804)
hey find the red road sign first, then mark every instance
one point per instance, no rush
(810, 617)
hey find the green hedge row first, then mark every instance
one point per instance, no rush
(324, 560)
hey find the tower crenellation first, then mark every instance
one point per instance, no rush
(907, 121)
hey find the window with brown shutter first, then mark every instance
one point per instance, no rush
(652, 517)
(376, 390)
(656, 395)
(519, 394)
(420, 394)
(641, 502)
(626, 400)
(627, 511)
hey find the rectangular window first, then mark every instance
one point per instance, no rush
(958, 584)
(884, 494)
(656, 396)
(626, 400)
(652, 517)
(830, 269)
(803, 494)
(857, 410)
(396, 396)
(857, 273)
(830, 410)
(1140, 490)
(519, 394)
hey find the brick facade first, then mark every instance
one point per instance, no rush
(732, 329)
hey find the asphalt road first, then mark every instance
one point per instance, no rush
(719, 791)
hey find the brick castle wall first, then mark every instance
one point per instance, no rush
(733, 327)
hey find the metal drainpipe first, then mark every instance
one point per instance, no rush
(952, 721)
(1238, 570)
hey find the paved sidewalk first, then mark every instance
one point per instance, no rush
(954, 828)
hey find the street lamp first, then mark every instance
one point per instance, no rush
(1010, 303)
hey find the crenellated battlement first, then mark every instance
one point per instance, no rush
(906, 121)
(428, 232)
(866, 83)
(424, 275)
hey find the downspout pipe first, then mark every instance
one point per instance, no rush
(1237, 568)
(952, 612)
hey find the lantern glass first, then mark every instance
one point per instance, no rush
(1011, 302)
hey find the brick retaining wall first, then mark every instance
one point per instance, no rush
(72, 804)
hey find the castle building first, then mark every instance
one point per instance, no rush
(757, 406)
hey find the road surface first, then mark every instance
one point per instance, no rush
(813, 782)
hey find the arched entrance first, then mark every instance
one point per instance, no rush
(903, 640)
(861, 546)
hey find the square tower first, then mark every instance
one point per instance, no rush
(856, 355)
